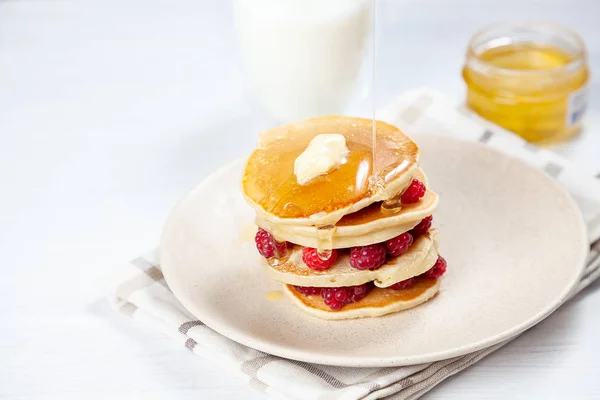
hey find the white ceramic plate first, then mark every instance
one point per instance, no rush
(514, 240)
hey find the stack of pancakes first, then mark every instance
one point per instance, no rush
(359, 209)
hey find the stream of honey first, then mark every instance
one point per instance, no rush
(347, 184)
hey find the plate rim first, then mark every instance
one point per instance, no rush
(378, 361)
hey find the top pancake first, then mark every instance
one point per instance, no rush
(270, 186)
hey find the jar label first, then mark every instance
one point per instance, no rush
(576, 106)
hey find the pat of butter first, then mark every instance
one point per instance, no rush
(323, 154)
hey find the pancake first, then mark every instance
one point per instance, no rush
(269, 184)
(363, 227)
(343, 237)
(419, 258)
(366, 226)
(377, 303)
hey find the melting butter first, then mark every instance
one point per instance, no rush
(325, 153)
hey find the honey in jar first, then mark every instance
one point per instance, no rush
(528, 78)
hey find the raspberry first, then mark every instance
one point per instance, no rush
(308, 290)
(340, 295)
(367, 257)
(358, 292)
(413, 193)
(422, 227)
(337, 297)
(267, 245)
(334, 304)
(399, 244)
(438, 269)
(329, 297)
(312, 260)
(405, 284)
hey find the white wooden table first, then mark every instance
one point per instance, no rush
(110, 110)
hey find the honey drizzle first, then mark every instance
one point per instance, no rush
(374, 42)
(281, 253)
(325, 241)
(325, 233)
(376, 183)
(393, 205)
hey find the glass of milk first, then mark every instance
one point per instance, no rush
(305, 58)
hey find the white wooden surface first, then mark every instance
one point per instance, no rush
(110, 110)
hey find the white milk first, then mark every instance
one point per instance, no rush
(303, 58)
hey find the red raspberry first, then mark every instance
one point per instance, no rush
(422, 227)
(405, 284)
(413, 193)
(312, 260)
(438, 269)
(329, 297)
(399, 244)
(358, 292)
(267, 245)
(336, 297)
(308, 290)
(367, 257)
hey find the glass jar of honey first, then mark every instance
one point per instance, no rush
(528, 78)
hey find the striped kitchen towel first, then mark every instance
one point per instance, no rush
(139, 290)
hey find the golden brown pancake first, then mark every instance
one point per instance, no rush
(270, 186)
(378, 302)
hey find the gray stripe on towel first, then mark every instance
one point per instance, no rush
(531, 147)
(553, 169)
(151, 270)
(315, 370)
(596, 244)
(142, 263)
(185, 327)
(155, 274)
(486, 136)
(190, 344)
(256, 384)
(251, 367)
(128, 309)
